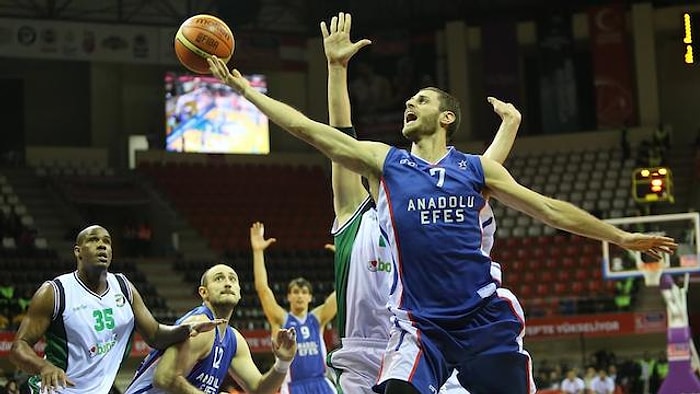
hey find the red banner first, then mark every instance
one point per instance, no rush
(612, 66)
(596, 325)
(259, 341)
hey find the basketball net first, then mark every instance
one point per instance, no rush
(653, 270)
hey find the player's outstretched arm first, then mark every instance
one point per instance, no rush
(160, 336)
(273, 311)
(244, 371)
(348, 192)
(326, 311)
(565, 216)
(179, 359)
(502, 143)
(33, 327)
(365, 158)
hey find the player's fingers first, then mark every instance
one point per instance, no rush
(334, 24)
(341, 21)
(348, 22)
(69, 383)
(324, 30)
(361, 44)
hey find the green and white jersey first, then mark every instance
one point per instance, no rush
(90, 334)
(364, 273)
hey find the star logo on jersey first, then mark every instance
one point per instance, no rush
(120, 300)
(462, 164)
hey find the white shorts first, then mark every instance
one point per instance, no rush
(452, 386)
(357, 364)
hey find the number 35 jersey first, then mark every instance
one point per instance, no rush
(89, 334)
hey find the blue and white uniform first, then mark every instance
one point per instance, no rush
(207, 375)
(447, 313)
(307, 373)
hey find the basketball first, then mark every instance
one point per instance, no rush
(201, 36)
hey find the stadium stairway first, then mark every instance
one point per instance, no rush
(179, 296)
(51, 216)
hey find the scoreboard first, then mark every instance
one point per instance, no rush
(691, 38)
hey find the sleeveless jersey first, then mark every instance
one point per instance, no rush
(90, 334)
(309, 361)
(363, 276)
(207, 374)
(430, 213)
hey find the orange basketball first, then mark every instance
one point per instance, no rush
(201, 36)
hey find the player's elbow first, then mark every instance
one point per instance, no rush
(164, 379)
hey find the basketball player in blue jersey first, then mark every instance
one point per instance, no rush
(88, 318)
(447, 313)
(363, 320)
(200, 364)
(307, 374)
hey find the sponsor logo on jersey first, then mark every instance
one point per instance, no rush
(379, 265)
(407, 162)
(119, 299)
(208, 383)
(309, 348)
(102, 348)
(79, 307)
(442, 209)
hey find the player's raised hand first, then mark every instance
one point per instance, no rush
(257, 237)
(53, 379)
(506, 111)
(233, 78)
(653, 245)
(204, 326)
(284, 344)
(336, 40)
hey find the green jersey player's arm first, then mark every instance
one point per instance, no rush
(348, 192)
(505, 136)
(178, 360)
(33, 327)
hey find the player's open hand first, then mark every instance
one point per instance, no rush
(257, 237)
(233, 78)
(506, 111)
(336, 40)
(284, 344)
(53, 379)
(653, 245)
(204, 326)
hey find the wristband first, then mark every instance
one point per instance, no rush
(281, 366)
(348, 130)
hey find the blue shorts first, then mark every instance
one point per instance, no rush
(486, 349)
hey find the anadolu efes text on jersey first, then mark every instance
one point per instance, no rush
(430, 213)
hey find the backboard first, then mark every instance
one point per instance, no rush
(683, 227)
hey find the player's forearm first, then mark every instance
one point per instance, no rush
(332, 143)
(503, 142)
(259, 271)
(566, 216)
(269, 383)
(175, 385)
(169, 335)
(338, 97)
(23, 356)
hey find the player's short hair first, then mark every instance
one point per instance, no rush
(450, 103)
(301, 283)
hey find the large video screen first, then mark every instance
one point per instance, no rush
(205, 115)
